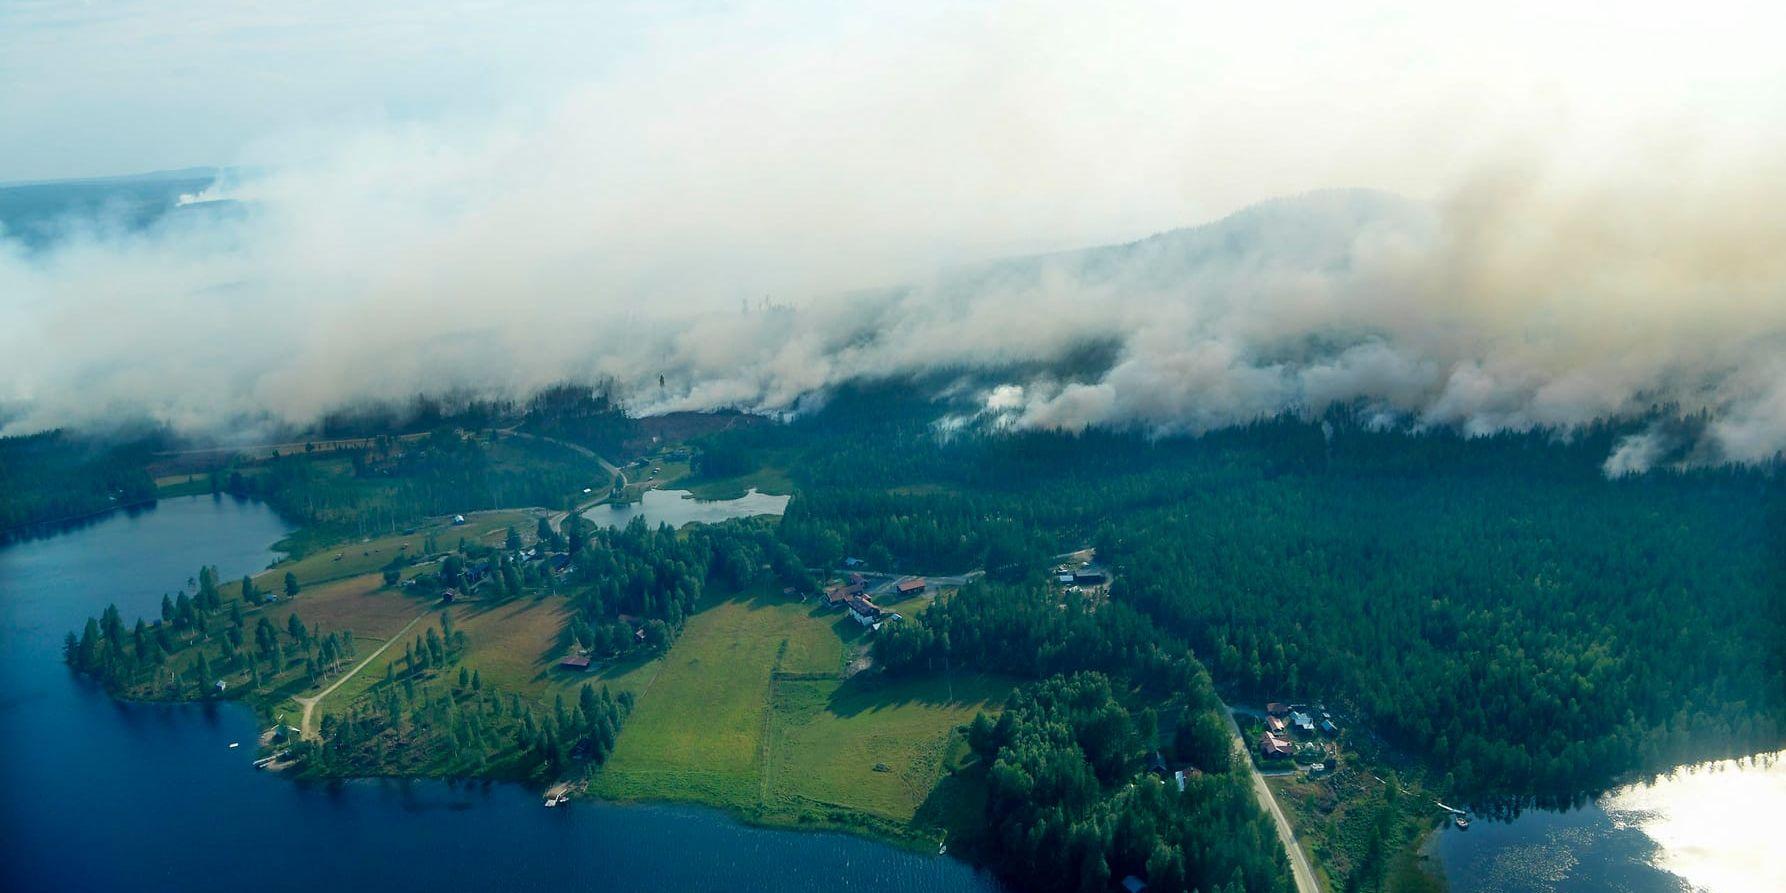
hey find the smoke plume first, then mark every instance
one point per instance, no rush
(757, 221)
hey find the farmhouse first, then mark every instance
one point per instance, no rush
(1274, 723)
(839, 595)
(864, 611)
(913, 586)
(1273, 747)
(1276, 709)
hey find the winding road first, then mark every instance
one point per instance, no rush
(609, 467)
(310, 703)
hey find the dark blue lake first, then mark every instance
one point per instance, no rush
(99, 795)
(1706, 828)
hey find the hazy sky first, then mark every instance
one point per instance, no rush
(524, 191)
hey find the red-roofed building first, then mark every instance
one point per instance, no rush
(1271, 747)
(913, 586)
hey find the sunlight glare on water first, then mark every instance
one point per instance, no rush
(1714, 826)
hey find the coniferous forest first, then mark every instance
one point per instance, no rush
(1496, 606)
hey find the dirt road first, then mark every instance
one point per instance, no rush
(310, 703)
(1300, 869)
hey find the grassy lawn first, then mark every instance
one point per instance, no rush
(171, 485)
(749, 712)
(876, 749)
(769, 479)
(698, 733)
(373, 553)
(361, 604)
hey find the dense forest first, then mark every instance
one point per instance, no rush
(1070, 808)
(634, 586)
(55, 476)
(1495, 605)
(396, 481)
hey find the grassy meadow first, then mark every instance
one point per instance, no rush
(751, 712)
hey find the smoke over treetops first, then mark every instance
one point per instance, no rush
(1493, 310)
(758, 220)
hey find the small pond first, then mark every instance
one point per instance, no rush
(679, 507)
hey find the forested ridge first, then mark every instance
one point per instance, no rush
(56, 476)
(1495, 605)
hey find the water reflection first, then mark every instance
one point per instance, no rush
(1704, 827)
(1713, 824)
(679, 507)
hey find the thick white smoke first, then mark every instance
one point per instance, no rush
(1585, 234)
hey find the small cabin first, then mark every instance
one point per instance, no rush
(576, 662)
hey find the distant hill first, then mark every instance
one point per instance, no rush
(38, 213)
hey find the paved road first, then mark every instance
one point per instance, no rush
(1300, 869)
(311, 702)
(557, 518)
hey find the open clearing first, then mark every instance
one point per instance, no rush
(873, 748)
(750, 712)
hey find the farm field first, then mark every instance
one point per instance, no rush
(751, 712)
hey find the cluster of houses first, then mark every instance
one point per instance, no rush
(477, 572)
(852, 595)
(1285, 723)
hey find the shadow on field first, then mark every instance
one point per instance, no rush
(866, 692)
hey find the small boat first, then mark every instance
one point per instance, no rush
(234, 744)
(1462, 823)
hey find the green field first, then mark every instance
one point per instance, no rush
(750, 712)
(868, 748)
(766, 480)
